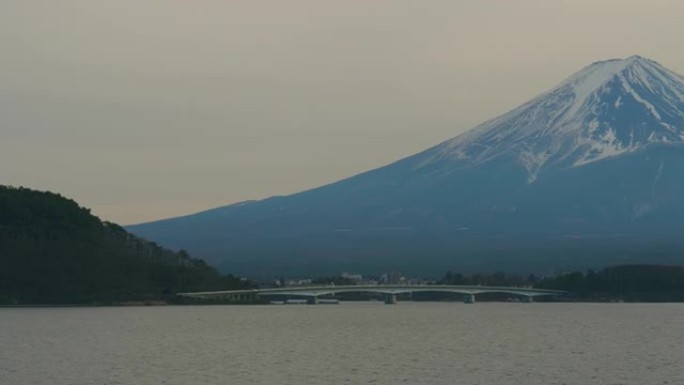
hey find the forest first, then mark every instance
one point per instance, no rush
(632, 283)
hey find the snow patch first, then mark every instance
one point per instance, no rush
(635, 95)
(585, 82)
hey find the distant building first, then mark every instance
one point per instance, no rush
(392, 278)
(354, 277)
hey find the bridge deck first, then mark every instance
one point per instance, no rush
(315, 291)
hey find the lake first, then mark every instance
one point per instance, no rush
(350, 343)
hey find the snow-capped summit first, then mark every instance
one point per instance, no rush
(606, 109)
(587, 174)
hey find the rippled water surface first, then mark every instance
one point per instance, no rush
(351, 343)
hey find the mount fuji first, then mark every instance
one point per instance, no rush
(587, 174)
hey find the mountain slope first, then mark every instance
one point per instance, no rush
(586, 174)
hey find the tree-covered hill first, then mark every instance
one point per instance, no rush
(54, 251)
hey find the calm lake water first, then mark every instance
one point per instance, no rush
(350, 343)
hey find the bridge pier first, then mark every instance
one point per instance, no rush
(391, 299)
(469, 298)
(313, 300)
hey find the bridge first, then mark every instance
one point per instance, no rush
(390, 292)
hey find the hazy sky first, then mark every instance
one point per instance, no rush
(148, 109)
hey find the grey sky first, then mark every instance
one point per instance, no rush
(150, 109)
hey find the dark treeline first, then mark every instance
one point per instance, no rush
(53, 251)
(494, 279)
(335, 280)
(625, 282)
